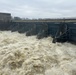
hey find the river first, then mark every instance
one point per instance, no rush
(22, 55)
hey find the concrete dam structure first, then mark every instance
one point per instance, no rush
(61, 30)
(37, 55)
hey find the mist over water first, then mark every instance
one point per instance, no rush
(22, 55)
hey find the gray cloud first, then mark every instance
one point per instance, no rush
(39, 8)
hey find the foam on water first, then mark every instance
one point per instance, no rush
(21, 55)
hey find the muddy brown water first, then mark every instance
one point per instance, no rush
(22, 55)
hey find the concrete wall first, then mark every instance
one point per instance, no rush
(41, 29)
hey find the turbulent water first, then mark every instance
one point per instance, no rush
(21, 55)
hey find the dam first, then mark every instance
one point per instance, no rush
(25, 50)
(60, 29)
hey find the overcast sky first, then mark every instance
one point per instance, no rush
(39, 8)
